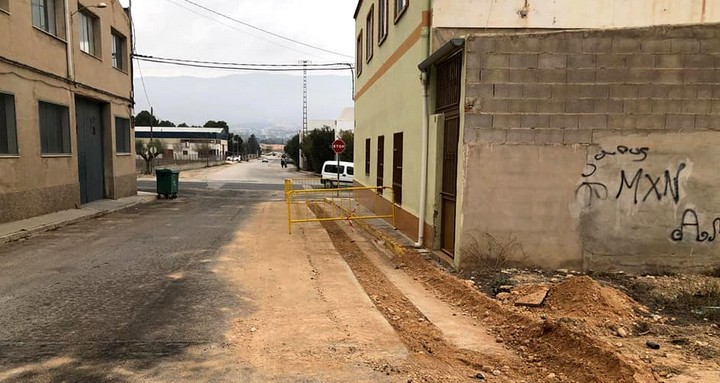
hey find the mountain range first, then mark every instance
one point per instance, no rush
(256, 101)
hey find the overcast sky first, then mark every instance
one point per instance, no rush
(179, 29)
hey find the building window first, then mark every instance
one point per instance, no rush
(380, 162)
(5, 5)
(8, 132)
(122, 135)
(118, 51)
(54, 129)
(44, 15)
(400, 8)
(358, 54)
(89, 40)
(397, 167)
(367, 156)
(382, 21)
(370, 33)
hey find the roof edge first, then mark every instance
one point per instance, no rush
(357, 9)
(439, 54)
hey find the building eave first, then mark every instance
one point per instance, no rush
(357, 9)
(449, 47)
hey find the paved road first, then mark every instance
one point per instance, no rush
(254, 175)
(93, 301)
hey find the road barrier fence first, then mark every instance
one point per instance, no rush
(340, 203)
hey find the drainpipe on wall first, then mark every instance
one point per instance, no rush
(68, 39)
(424, 134)
(423, 158)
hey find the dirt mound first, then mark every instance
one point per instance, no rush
(584, 298)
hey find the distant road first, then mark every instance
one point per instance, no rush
(253, 175)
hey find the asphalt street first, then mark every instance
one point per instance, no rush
(127, 291)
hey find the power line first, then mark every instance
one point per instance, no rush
(264, 30)
(242, 64)
(132, 49)
(239, 67)
(240, 30)
(302, 66)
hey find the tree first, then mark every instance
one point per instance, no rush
(217, 124)
(235, 143)
(144, 118)
(252, 145)
(203, 149)
(148, 151)
(183, 125)
(317, 147)
(349, 138)
(292, 149)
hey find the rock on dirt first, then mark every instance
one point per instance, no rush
(533, 298)
(621, 332)
(652, 345)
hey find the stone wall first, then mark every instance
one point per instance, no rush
(27, 204)
(600, 146)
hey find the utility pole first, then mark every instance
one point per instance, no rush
(152, 116)
(304, 126)
(130, 64)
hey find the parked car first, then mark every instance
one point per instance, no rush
(330, 171)
(264, 159)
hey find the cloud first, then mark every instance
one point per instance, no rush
(178, 29)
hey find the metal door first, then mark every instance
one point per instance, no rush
(397, 167)
(448, 193)
(448, 103)
(88, 116)
(380, 163)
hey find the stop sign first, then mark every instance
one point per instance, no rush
(338, 146)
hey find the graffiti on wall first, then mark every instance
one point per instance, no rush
(690, 224)
(639, 186)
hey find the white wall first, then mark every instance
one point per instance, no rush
(572, 13)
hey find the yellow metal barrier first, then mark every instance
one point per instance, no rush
(346, 204)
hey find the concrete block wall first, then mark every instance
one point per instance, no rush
(571, 87)
(594, 149)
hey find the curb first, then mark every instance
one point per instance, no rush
(378, 234)
(388, 242)
(25, 233)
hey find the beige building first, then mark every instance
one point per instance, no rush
(272, 148)
(182, 143)
(65, 105)
(494, 121)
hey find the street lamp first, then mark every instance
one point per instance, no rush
(98, 5)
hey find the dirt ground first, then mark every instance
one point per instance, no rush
(667, 323)
(332, 305)
(606, 328)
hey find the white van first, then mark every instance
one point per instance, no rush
(329, 173)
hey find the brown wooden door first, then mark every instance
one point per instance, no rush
(448, 192)
(448, 103)
(380, 162)
(397, 167)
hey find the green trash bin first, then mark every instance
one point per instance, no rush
(167, 182)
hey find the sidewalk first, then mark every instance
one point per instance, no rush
(12, 231)
(382, 230)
